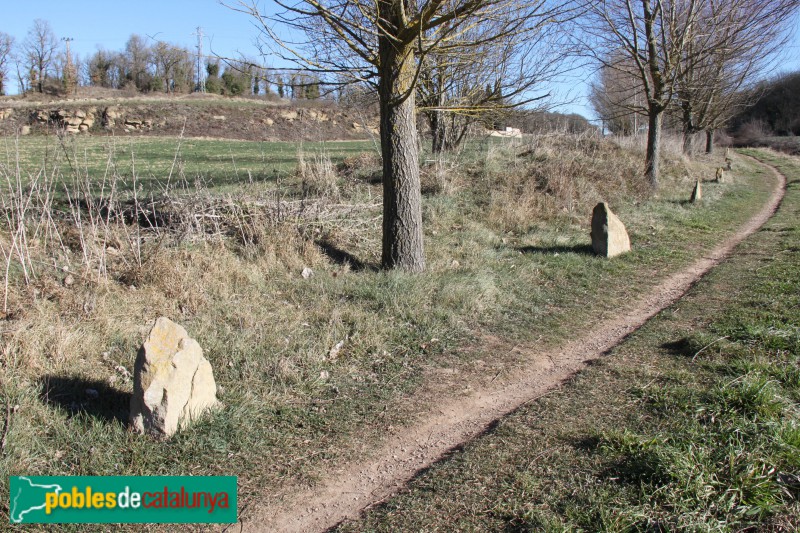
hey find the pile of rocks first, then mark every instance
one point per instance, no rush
(81, 120)
(70, 120)
(112, 116)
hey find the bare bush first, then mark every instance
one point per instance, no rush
(552, 176)
(318, 175)
(752, 133)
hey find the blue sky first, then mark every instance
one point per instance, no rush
(94, 24)
(108, 24)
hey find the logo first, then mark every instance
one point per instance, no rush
(122, 499)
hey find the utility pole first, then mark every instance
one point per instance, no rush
(201, 80)
(67, 40)
(70, 74)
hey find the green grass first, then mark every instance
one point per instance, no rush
(693, 424)
(156, 161)
(290, 410)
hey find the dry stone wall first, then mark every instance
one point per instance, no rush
(247, 122)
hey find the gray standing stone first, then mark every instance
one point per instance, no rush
(697, 193)
(609, 236)
(173, 383)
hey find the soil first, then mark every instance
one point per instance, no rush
(455, 419)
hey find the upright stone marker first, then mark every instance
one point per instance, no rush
(173, 383)
(720, 178)
(697, 193)
(609, 237)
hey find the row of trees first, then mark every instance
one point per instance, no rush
(43, 62)
(696, 61)
(455, 60)
(35, 58)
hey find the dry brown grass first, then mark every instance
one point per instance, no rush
(318, 175)
(565, 176)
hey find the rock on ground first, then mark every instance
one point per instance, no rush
(173, 383)
(697, 192)
(609, 236)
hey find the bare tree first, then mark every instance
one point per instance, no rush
(137, 58)
(39, 49)
(495, 72)
(6, 49)
(385, 43)
(652, 36)
(741, 38)
(616, 96)
(173, 66)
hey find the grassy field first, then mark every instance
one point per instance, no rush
(506, 229)
(157, 161)
(690, 425)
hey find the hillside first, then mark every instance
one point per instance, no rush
(193, 115)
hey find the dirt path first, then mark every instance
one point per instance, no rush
(458, 419)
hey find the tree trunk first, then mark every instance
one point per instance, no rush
(447, 132)
(709, 141)
(438, 131)
(402, 197)
(655, 117)
(688, 127)
(688, 137)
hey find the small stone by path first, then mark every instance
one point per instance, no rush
(609, 236)
(173, 384)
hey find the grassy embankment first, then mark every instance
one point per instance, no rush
(506, 228)
(692, 424)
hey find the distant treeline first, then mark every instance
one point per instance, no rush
(43, 63)
(164, 67)
(777, 109)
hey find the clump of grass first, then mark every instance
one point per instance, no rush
(562, 176)
(364, 166)
(318, 176)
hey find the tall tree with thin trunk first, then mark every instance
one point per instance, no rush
(6, 48)
(385, 43)
(616, 97)
(39, 49)
(647, 39)
(137, 57)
